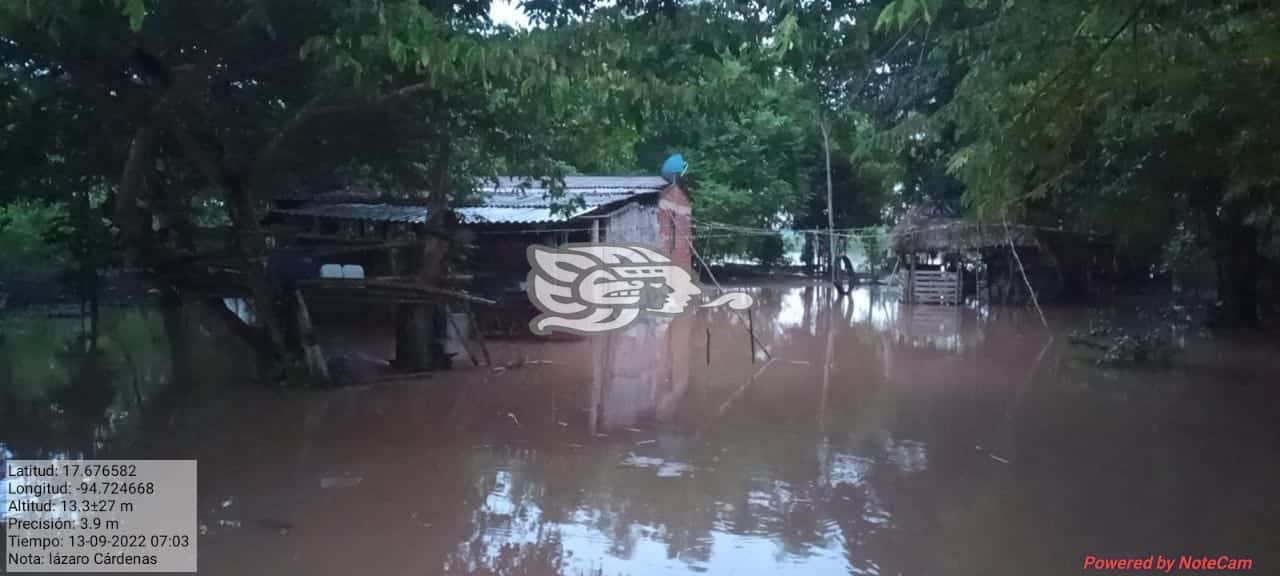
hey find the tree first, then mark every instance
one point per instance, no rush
(1134, 118)
(242, 100)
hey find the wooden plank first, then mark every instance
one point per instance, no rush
(388, 287)
(315, 360)
(475, 328)
(462, 339)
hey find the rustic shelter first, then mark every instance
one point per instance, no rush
(489, 238)
(943, 258)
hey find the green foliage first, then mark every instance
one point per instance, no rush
(876, 250)
(134, 10)
(1149, 345)
(32, 236)
(899, 14)
(1145, 120)
(1130, 98)
(770, 251)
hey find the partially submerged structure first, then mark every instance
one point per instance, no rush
(361, 248)
(942, 258)
(503, 219)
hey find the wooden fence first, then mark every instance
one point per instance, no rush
(932, 287)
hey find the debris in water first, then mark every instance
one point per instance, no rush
(226, 503)
(642, 461)
(575, 446)
(673, 470)
(229, 523)
(601, 435)
(636, 430)
(563, 424)
(998, 459)
(513, 418)
(340, 481)
(646, 442)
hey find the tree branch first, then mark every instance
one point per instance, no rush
(311, 112)
(1111, 39)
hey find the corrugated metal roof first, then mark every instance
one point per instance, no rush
(516, 215)
(540, 199)
(511, 201)
(357, 211)
(507, 184)
(505, 187)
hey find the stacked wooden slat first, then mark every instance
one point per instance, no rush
(936, 287)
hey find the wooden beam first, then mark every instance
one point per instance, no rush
(317, 365)
(404, 289)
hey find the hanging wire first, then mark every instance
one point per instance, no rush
(710, 229)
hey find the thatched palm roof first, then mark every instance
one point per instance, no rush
(934, 228)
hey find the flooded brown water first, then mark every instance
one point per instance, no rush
(879, 439)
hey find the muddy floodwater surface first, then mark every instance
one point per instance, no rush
(866, 437)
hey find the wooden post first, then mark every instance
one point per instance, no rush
(600, 351)
(751, 330)
(314, 355)
(462, 339)
(911, 277)
(475, 328)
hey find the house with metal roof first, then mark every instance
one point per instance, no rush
(377, 234)
(506, 201)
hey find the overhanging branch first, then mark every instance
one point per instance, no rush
(315, 110)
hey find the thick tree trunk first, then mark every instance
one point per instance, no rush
(421, 328)
(175, 331)
(250, 245)
(1238, 263)
(1235, 251)
(807, 253)
(128, 213)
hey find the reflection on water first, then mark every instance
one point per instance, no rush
(880, 439)
(58, 395)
